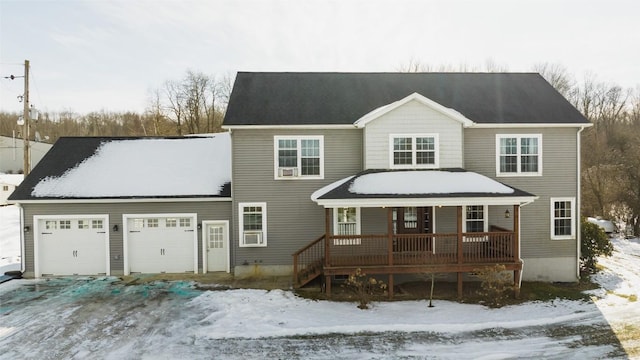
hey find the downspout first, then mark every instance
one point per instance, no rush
(520, 240)
(578, 201)
(232, 222)
(23, 265)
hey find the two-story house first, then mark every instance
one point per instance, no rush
(394, 173)
(401, 173)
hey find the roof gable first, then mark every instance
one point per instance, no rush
(377, 113)
(292, 99)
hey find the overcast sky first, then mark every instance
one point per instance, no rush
(108, 55)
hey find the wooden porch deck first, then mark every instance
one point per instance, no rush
(405, 254)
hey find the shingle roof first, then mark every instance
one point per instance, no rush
(431, 186)
(71, 154)
(342, 98)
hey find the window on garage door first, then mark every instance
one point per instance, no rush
(51, 224)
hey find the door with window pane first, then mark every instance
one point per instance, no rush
(216, 243)
(412, 220)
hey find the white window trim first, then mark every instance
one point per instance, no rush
(298, 175)
(241, 207)
(358, 222)
(518, 154)
(552, 202)
(413, 165)
(485, 225)
(356, 241)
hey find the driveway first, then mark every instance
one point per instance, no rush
(80, 318)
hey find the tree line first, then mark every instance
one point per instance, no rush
(197, 103)
(194, 104)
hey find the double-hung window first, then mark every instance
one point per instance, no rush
(519, 155)
(347, 222)
(413, 151)
(475, 221)
(563, 218)
(253, 224)
(299, 157)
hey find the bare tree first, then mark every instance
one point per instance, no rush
(558, 76)
(196, 103)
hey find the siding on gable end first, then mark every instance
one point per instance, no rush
(214, 210)
(559, 179)
(413, 118)
(293, 220)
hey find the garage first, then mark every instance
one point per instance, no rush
(71, 245)
(160, 243)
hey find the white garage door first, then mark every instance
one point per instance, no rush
(161, 243)
(71, 245)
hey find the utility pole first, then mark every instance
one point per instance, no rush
(26, 116)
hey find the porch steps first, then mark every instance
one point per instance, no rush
(309, 273)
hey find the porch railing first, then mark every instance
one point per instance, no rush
(402, 249)
(417, 249)
(308, 261)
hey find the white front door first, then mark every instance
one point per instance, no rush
(215, 237)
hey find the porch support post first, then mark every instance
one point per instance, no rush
(516, 232)
(390, 236)
(327, 235)
(327, 254)
(390, 248)
(517, 274)
(460, 257)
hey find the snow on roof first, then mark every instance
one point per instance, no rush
(426, 182)
(11, 179)
(147, 167)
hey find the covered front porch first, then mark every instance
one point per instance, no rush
(413, 234)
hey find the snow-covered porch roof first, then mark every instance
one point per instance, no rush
(444, 187)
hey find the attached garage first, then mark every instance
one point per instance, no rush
(152, 193)
(160, 243)
(71, 245)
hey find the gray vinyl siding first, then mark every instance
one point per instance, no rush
(373, 221)
(214, 210)
(413, 118)
(293, 220)
(559, 179)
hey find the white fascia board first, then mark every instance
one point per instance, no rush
(528, 126)
(106, 201)
(444, 201)
(378, 112)
(285, 127)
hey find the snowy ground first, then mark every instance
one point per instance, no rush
(9, 238)
(78, 318)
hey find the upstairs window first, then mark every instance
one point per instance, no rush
(299, 157)
(413, 151)
(519, 155)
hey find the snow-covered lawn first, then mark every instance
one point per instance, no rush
(9, 238)
(78, 318)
